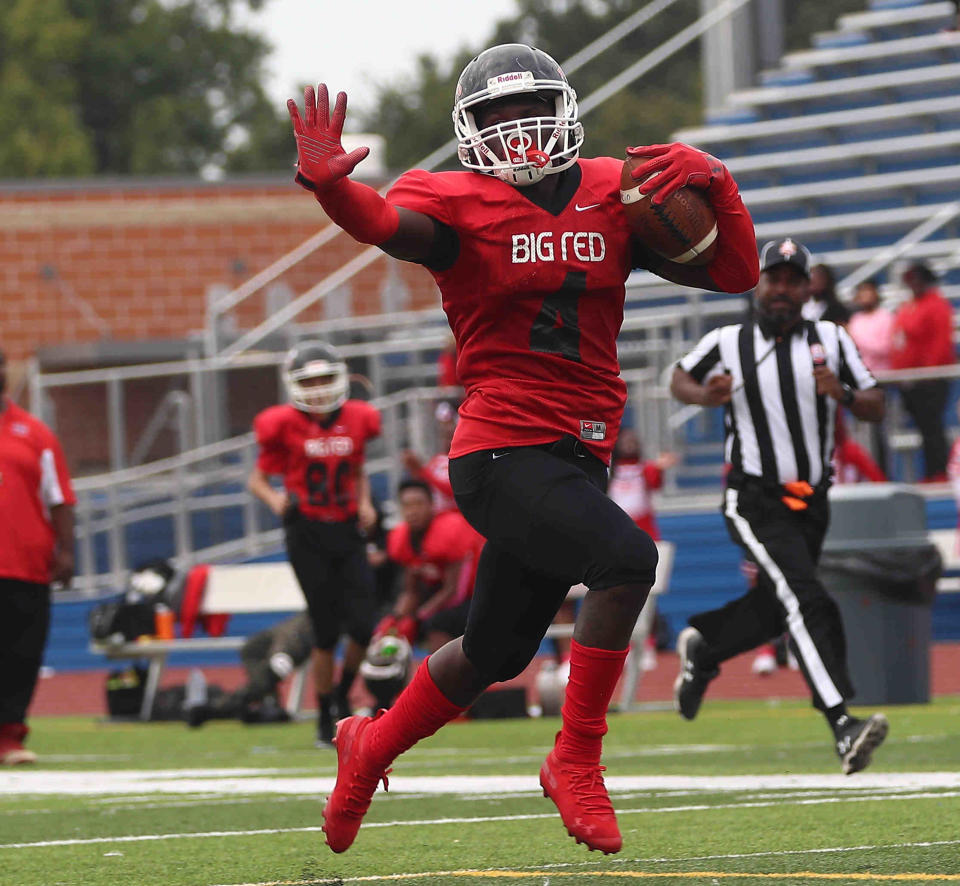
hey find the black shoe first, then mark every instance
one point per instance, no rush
(325, 728)
(196, 715)
(692, 681)
(858, 739)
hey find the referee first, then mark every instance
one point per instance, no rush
(780, 378)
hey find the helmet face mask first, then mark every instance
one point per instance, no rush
(316, 378)
(522, 151)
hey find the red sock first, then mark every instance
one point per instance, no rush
(593, 677)
(419, 711)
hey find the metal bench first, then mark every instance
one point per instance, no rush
(272, 587)
(231, 589)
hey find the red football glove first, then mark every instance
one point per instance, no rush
(678, 165)
(321, 160)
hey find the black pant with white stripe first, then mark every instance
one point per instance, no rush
(786, 546)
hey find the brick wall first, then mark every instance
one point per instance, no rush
(133, 260)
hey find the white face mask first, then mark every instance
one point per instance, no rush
(519, 152)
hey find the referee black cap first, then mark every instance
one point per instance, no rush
(785, 252)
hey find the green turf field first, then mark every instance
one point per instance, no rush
(748, 792)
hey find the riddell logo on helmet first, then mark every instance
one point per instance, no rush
(524, 78)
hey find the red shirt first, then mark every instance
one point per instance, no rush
(319, 462)
(33, 479)
(923, 332)
(436, 472)
(631, 483)
(535, 302)
(449, 539)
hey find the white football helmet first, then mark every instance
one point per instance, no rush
(520, 152)
(316, 378)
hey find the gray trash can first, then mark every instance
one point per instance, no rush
(882, 570)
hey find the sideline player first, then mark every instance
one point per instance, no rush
(530, 249)
(438, 553)
(316, 443)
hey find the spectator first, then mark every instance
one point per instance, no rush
(436, 471)
(953, 474)
(438, 554)
(632, 480)
(923, 337)
(36, 523)
(871, 328)
(851, 462)
(824, 303)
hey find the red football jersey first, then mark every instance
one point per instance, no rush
(535, 302)
(33, 479)
(318, 462)
(436, 472)
(630, 486)
(449, 538)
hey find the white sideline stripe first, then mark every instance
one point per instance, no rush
(260, 781)
(379, 878)
(798, 629)
(480, 819)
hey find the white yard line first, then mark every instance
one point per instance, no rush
(280, 781)
(786, 800)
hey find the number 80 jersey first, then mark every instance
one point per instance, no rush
(534, 295)
(319, 462)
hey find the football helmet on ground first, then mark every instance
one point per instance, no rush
(386, 668)
(316, 378)
(520, 152)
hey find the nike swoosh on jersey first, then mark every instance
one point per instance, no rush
(580, 208)
(497, 455)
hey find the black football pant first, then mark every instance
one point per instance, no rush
(786, 546)
(330, 562)
(925, 401)
(549, 525)
(24, 625)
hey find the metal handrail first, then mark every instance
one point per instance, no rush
(174, 403)
(890, 254)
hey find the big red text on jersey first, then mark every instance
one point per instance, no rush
(319, 462)
(535, 301)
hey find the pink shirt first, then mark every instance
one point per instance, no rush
(872, 332)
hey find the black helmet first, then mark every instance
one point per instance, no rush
(522, 151)
(316, 377)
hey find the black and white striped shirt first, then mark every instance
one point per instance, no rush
(777, 427)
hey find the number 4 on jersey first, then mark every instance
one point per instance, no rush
(555, 329)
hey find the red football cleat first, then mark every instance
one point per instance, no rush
(357, 779)
(581, 797)
(12, 751)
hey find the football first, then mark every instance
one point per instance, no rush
(683, 228)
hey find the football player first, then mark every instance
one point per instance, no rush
(316, 443)
(438, 554)
(530, 249)
(436, 471)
